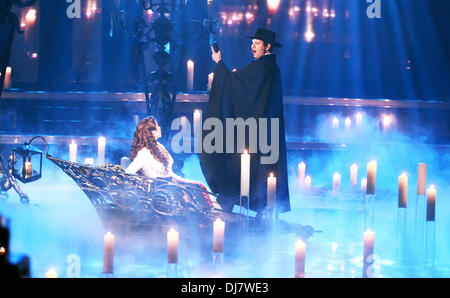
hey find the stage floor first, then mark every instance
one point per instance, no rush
(61, 222)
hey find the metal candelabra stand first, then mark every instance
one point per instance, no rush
(168, 29)
(9, 24)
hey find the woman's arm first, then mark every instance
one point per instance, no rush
(135, 165)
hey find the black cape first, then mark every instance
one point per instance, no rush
(252, 92)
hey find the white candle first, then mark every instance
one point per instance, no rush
(172, 246)
(2, 251)
(431, 203)
(386, 122)
(73, 151)
(109, 242)
(7, 83)
(308, 182)
(301, 173)
(89, 161)
(218, 235)
(28, 169)
(354, 175)
(271, 191)
(421, 179)
(197, 122)
(364, 185)
(371, 177)
(245, 174)
(359, 118)
(336, 182)
(369, 241)
(183, 121)
(348, 123)
(300, 251)
(51, 273)
(190, 75)
(101, 151)
(210, 80)
(402, 190)
(124, 162)
(335, 123)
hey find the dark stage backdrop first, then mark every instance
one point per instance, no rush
(330, 48)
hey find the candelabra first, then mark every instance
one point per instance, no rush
(9, 23)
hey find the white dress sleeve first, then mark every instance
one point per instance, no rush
(136, 164)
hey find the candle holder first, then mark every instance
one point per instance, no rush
(401, 239)
(369, 206)
(217, 259)
(244, 202)
(421, 201)
(172, 270)
(430, 239)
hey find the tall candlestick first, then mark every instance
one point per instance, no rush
(301, 173)
(271, 191)
(431, 203)
(245, 174)
(218, 236)
(421, 178)
(210, 80)
(108, 253)
(101, 151)
(7, 82)
(51, 273)
(197, 122)
(300, 251)
(371, 177)
(190, 75)
(336, 182)
(402, 190)
(73, 151)
(308, 182)
(354, 175)
(172, 246)
(369, 241)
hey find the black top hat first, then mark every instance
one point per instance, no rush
(267, 36)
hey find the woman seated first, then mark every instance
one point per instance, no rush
(151, 159)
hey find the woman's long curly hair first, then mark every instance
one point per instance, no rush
(143, 138)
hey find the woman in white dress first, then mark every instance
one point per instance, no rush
(151, 159)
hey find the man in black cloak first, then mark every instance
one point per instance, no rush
(252, 92)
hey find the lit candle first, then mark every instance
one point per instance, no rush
(210, 80)
(197, 122)
(369, 241)
(271, 191)
(245, 174)
(218, 236)
(386, 122)
(421, 178)
(301, 173)
(371, 177)
(7, 83)
(402, 190)
(190, 75)
(172, 246)
(73, 151)
(308, 182)
(431, 203)
(108, 253)
(364, 185)
(300, 251)
(354, 175)
(101, 151)
(51, 273)
(335, 123)
(358, 120)
(124, 162)
(2, 251)
(27, 169)
(348, 123)
(336, 182)
(89, 161)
